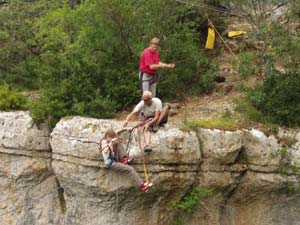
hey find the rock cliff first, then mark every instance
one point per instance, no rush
(58, 177)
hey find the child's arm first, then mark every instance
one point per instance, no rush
(105, 146)
(105, 150)
(123, 129)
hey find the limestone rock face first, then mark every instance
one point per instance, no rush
(59, 178)
(91, 188)
(220, 148)
(261, 151)
(18, 132)
(27, 184)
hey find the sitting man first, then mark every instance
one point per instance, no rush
(154, 114)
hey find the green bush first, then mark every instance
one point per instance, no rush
(186, 207)
(18, 47)
(248, 65)
(11, 99)
(90, 55)
(279, 99)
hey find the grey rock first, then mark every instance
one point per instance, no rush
(68, 184)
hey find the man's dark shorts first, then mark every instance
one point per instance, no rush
(154, 128)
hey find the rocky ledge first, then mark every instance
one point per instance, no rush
(58, 177)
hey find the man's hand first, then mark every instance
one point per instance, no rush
(171, 65)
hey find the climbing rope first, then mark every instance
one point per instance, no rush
(139, 125)
(117, 205)
(129, 141)
(142, 153)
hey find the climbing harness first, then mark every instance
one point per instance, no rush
(154, 79)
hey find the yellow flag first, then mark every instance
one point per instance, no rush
(236, 33)
(211, 37)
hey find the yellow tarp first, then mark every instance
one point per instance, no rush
(211, 37)
(236, 33)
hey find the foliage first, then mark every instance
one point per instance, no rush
(11, 99)
(276, 50)
(220, 123)
(287, 168)
(226, 121)
(248, 64)
(18, 48)
(295, 12)
(279, 99)
(89, 55)
(255, 11)
(248, 110)
(185, 207)
(275, 97)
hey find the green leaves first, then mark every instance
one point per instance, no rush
(84, 57)
(90, 54)
(16, 41)
(279, 99)
(11, 99)
(185, 207)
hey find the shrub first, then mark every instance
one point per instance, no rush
(11, 99)
(90, 54)
(18, 48)
(279, 99)
(247, 66)
(185, 207)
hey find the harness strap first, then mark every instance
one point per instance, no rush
(153, 80)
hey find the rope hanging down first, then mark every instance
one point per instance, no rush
(143, 157)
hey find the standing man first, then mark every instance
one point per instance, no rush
(154, 114)
(149, 65)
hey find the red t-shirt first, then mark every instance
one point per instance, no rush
(148, 57)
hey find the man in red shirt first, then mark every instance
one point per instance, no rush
(149, 65)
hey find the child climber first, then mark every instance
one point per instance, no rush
(112, 149)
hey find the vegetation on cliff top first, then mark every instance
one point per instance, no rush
(82, 56)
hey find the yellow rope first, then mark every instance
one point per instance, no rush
(145, 172)
(140, 146)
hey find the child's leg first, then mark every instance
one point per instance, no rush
(147, 136)
(128, 169)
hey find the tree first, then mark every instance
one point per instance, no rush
(17, 46)
(257, 12)
(89, 55)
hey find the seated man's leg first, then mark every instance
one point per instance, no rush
(163, 118)
(147, 147)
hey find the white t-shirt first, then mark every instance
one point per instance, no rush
(149, 111)
(107, 154)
